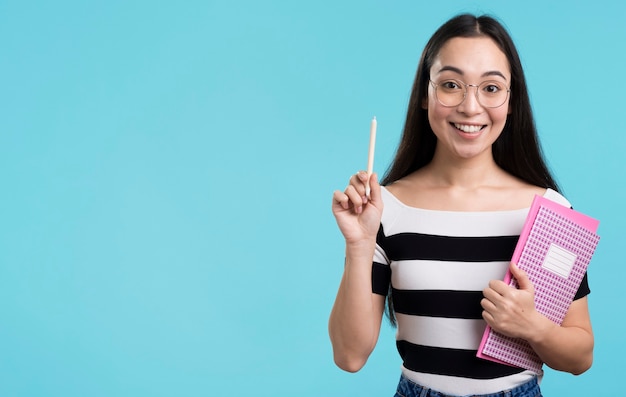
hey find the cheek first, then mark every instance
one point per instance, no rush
(438, 113)
(499, 115)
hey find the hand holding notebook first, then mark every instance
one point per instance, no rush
(554, 249)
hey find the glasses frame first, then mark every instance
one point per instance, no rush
(466, 90)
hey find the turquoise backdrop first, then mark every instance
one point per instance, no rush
(167, 171)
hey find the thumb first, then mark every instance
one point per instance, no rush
(375, 195)
(522, 278)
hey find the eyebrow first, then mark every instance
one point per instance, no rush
(459, 71)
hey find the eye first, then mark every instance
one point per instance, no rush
(451, 85)
(492, 87)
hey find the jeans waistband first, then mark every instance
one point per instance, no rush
(408, 388)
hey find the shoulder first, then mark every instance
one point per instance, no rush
(413, 191)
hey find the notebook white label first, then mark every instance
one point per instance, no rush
(559, 261)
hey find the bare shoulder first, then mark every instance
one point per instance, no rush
(519, 194)
(418, 189)
(412, 190)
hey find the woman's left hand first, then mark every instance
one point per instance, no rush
(509, 310)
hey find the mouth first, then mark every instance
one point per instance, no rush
(468, 128)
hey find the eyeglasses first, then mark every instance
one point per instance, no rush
(490, 94)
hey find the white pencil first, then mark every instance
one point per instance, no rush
(370, 155)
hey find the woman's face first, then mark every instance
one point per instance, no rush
(469, 129)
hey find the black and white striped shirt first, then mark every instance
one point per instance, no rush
(438, 263)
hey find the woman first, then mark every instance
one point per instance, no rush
(455, 197)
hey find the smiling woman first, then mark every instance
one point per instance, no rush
(437, 238)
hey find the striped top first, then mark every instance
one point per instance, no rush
(438, 263)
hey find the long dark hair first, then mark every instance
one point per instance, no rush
(516, 150)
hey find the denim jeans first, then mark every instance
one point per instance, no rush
(407, 388)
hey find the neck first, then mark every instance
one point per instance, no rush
(468, 174)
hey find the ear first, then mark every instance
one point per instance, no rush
(425, 103)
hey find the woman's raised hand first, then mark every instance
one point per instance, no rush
(357, 215)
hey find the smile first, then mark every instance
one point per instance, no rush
(467, 128)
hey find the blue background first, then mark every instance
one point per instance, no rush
(167, 171)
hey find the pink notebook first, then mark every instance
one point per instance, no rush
(554, 248)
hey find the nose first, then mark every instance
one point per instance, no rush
(470, 104)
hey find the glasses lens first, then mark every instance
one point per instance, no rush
(492, 94)
(450, 92)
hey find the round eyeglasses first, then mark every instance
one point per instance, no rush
(490, 94)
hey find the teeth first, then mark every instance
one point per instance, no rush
(468, 128)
